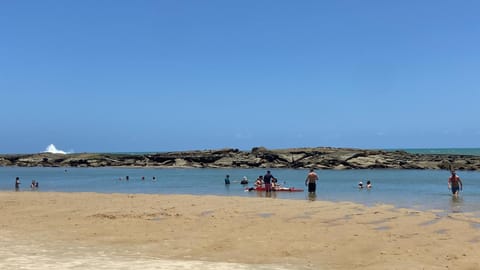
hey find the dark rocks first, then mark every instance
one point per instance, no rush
(258, 157)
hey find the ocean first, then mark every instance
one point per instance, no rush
(446, 151)
(416, 189)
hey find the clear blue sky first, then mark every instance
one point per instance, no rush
(117, 76)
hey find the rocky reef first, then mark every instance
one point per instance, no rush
(258, 157)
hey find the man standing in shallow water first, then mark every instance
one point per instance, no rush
(311, 181)
(267, 180)
(455, 184)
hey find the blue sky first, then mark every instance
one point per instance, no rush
(122, 76)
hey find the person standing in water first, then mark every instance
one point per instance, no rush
(227, 180)
(455, 184)
(267, 180)
(311, 181)
(17, 183)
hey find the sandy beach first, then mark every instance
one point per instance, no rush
(41, 230)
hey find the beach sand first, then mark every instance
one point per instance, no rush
(41, 230)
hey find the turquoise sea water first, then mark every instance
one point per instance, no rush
(449, 151)
(418, 189)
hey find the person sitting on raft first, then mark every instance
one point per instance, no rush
(259, 181)
(274, 183)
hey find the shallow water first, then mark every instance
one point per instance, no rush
(18, 253)
(418, 189)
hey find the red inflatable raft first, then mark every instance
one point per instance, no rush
(290, 189)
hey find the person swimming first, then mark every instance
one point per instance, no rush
(244, 181)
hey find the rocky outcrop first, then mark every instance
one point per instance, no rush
(258, 157)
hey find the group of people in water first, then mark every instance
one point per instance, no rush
(269, 183)
(33, 186)
(265, 182)
(368, 185)
(127, 178)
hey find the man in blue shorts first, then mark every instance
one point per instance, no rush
(454, 183)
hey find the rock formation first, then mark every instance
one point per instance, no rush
(258, 157)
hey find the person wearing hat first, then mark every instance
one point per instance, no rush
(244, 181)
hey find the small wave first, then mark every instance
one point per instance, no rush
(52, 149)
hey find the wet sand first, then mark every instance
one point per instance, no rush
(41, 230)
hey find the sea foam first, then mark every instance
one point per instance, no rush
(52, 149)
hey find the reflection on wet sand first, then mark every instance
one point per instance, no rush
(456, 204)
(312, 196)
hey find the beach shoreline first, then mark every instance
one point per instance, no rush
(259, 232)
